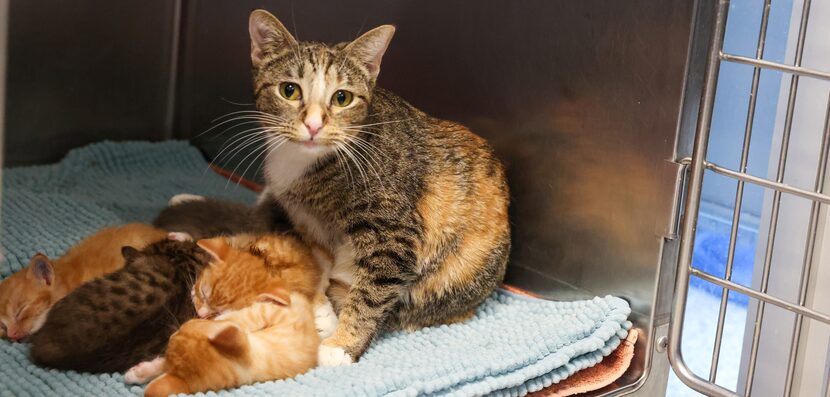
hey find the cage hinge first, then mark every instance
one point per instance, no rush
(675, 176)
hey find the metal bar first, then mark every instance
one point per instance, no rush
(809, 250)
(827, 383)
(739, 192)
(776, 198)
(681, 286)
(762, 296)
(795, 70)
(780, 187)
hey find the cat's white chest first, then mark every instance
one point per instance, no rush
(285, 164)
(283, 167)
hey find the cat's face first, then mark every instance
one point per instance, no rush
(233, 280)
(313, 94)
(25, 299)
(202, 355)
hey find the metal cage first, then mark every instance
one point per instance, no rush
(699, 163)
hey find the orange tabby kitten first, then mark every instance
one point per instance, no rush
(237, 276)
(27, 296)
(270, 340)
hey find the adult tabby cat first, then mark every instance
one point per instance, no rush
(413, 208)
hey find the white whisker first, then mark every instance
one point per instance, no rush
(363, 152)
(269, 146)
(341, 155)
(241, 148)
(379, 123)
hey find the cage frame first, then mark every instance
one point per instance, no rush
(698, 165)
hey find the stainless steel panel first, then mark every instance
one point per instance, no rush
(83, 71)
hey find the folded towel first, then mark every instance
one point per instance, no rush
(514, 344)
(601, 375)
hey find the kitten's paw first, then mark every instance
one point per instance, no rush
(179, 236)
(181, 198)
(325, 319)
(145, 371)
(333, 356)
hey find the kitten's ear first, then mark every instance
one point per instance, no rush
(166, 385)
(217, 247)
(370, 47)
(229, 340)
(279, 296)
(266, 33)
(40, 269)
(129, 253)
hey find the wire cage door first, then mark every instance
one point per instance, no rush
(700, 164)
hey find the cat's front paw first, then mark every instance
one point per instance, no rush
(325, 319)
(181, 198)
(333, 356)
(145, 371)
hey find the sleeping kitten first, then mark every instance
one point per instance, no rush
(112, 323)
(204, 217)
(27, 296)
(269, 340)
(414, 208)
(245, 266)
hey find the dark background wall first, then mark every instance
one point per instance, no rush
(85, 70)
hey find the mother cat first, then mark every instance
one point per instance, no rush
(413, 208)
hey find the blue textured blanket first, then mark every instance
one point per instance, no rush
(514, 345)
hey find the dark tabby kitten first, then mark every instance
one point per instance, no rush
(115, 322)
(205, 217)
(413, 208)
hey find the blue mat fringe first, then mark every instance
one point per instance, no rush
(514, 345)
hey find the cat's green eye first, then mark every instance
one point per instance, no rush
(342, 98)
(290, 91)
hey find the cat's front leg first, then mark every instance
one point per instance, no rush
(325, 319)
(382, 274)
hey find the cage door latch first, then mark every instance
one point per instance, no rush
(674, 178)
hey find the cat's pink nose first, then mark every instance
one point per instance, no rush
(313, 124)
(15, 334)
(203, 312)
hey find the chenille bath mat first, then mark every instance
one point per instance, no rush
(513, 346)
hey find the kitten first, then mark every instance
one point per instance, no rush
(269, 340)
(27, 296)
(112, 323)
(413, 208)
(203, 217)
(244, 269)
(245, 266)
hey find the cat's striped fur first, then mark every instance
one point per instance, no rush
(413, 208)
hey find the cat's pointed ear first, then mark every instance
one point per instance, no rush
(129, 253)
(229, 340)
(370, 47)
(266, 33)
(40, 269)
(279, 296)
(166, 385)
(217, 247)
